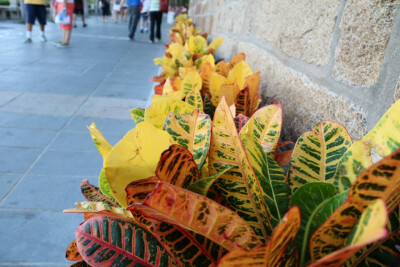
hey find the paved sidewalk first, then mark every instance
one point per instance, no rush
(48, 96)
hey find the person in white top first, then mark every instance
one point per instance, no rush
(144, 16)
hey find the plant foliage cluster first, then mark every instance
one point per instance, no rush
(203, 179)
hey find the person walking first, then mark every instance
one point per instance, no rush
(68, 6)
(144, 16)
(105, 9)
(35, 9)
(155, 20)
(78, 10)
(133, 16)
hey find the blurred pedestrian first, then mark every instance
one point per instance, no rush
(124, 11)
(78, 10)
(116, 10)
(134, 15)
(35, 9)
(105, 9)
(155, 20)
(144, 16)
(66, 6)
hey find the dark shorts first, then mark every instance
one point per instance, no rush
(35, 11)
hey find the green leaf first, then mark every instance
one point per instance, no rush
(208, 106)
(309, 198)
(137, 115)
(115, 241)
(192, 131)
(203, 185)
(104, 185)
(271, 177)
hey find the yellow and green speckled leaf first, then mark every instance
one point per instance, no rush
(381, 180)
(239, 186)
(197, 44)
(103, 146)
(266, 126)
(116, 241)
(194, 98)
(191, 82)
(203, 60)
(104, 185)
(239, 73)
(161, 107)
(137, 115)
(317, 153)
(382, 140)
(369, 228)
(192, 131)
(174, 205)
(216, 80)
(134, 157)
(99, 208)
(271, 254)
(271, 178)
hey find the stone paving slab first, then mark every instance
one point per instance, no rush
(48, 97)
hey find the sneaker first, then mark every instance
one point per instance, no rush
(57, 43)
(28, 40)
(43, 39)
(151, 41)
(141, 30)
(84, 25)
(61, 45)
(158, 40)
(131, 38)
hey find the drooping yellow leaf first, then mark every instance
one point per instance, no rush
(135, 157)
(238, 74)
(160, 108)
(381, 180)
(265, 126)
(271, 254)
(370, 228)
(103, 146)
(382, 140)
(216, 80)
(174, 205)
(99, 208)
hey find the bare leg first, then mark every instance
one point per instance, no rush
(29, 27)
(41, 27)
(66, 36)
(74, 19)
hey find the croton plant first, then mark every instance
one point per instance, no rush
(204, 179)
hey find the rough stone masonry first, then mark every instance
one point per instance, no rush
(322, 59)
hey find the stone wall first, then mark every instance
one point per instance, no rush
(322, 59)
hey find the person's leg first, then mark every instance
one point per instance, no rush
(136, 17)
(130, 22)
(152, 21)
(67, 36)
(141, 23)
(30, 20)
(74, 19)
(158, 20)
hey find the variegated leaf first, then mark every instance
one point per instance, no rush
(194, 98)
(292, 259)
(104, 185)
(192, 131)
(80, 264)
(213, 46)
(317, 153)
(381, 180)
(205, 75)
(271, 254)
(115, 241)
(103, 146)
(93, 194)
(197, 44)
(191, 82)
(197, 213)
(271, 178)
(176, 166)
(236, 59)
(240, 120)
(137, 115)
(222, 68)
(208, 106)
(265, 125)
(72, 252)
(203, 185)
(369, 228)
(99, 208)
(243, 102)
(239, 73)
(239, 186)
(382, 140)
(253, 82)
(216, 81)
(138, 190)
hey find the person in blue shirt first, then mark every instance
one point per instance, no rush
(133, 14)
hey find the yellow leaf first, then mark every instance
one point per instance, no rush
(160, 107)
(103, 146)
(134, 157)
(238, 74)
(216, 80)
(192, 81)
(197, 45)
(226, 90)
(214, 45)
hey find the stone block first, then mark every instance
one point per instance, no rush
(365, 31)
(304, 102)
(301, 29)
(231, 17)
